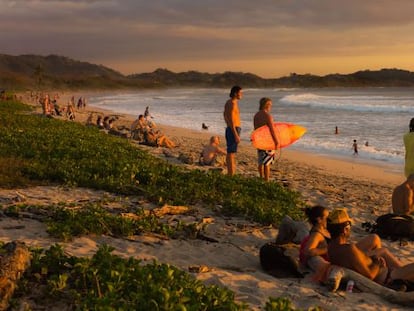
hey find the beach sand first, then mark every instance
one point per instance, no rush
(234, 260)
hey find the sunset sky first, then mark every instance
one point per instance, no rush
(264, 37)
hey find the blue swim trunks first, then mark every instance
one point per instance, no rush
(230, 140)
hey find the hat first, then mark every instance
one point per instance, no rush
(339, 216)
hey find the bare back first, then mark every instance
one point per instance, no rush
(262, 118)
(232, 113)
(351, 257)
(403, 199)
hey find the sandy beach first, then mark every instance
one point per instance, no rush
(363, 189)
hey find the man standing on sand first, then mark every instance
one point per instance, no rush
(403, 197)
(232, 118)
(263, 117)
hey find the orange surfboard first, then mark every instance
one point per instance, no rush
(286, 134)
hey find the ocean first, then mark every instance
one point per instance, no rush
(378, 117)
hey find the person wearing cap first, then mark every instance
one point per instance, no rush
(376, 264)
(409, 150)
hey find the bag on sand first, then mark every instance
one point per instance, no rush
(276, 261)
(393, 226)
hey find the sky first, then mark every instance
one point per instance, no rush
(270, 38)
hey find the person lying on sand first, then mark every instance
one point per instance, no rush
(157, 139)
(378, 264)
(210, 152)
(403, 197)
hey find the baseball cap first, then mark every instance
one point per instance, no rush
(339, 216)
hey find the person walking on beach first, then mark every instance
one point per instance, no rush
(233, 129)
(263, 117)
(409, 150)
(355, 147)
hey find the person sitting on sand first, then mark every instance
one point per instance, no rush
(70, 111)
(46, 106)
(403, 197)
(99, 122)
(139, 127)
(105, 122)
(89, 120)
(313, 252)
(378, 264)
(210, 153)
(110, 124)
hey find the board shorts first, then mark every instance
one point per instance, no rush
(265, 157)
(230, 140)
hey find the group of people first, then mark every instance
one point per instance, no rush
(146, 133)
(51, 107)
(233, 130)
(328, 247)
(367, 256)
(102, 122)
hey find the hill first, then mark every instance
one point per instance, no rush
(34, 71)
(53, 71)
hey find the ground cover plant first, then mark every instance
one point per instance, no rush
(109, 282)
(37, 149)
(67, 221)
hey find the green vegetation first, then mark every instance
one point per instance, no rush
(38, 150)
(283, 304)
(109, 282)
(65, 221)
(34, 149)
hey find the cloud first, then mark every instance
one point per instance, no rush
(180, 31)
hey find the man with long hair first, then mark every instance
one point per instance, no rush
(233, 129)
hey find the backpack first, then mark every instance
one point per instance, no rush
(393, 226)
(276, 261)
